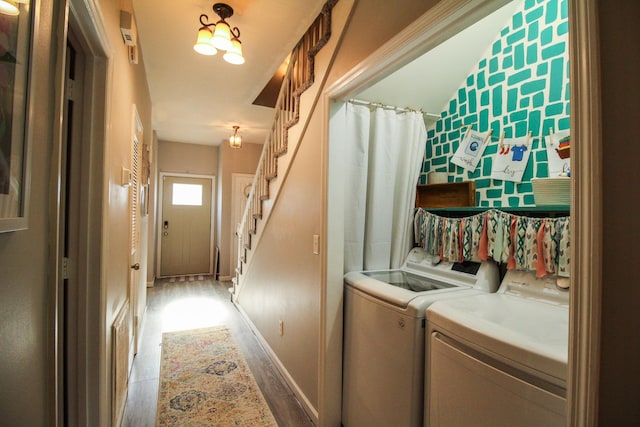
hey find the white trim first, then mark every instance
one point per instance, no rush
(95, 403)
(442, 21)
(55, 223)
(162, 175)
(586, 219)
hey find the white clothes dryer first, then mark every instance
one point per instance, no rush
(499, 360)
(384, 332)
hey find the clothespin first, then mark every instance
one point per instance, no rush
(526, 144)
(466, 133)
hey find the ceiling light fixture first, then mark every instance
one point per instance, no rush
(235, 140)
(9, 7)
(222, 37)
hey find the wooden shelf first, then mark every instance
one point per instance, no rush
(447, 195)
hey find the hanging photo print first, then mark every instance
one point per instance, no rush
(558, 153)
(511, 159)
(470, 150)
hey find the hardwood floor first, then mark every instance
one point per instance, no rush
(198, 304)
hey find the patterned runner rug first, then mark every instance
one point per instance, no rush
(204, 381)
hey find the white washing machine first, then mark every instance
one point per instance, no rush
(500, 359)
(384, 334)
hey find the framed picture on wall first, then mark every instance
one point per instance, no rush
(16, 42)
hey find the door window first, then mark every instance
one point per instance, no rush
(187, 195)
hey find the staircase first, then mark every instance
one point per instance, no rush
(298, 78)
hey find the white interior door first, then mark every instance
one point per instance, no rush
(240, 187)
(134, 220)
(186, 225)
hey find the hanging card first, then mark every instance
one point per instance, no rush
(470, 151)
(511, 159)
(557, 164)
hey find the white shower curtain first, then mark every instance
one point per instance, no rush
(383, 157)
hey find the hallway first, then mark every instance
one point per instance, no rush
(196, 304)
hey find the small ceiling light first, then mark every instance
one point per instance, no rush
(223, 37)
(235, 140)
(9, 7)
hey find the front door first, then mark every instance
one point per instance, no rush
(185, 226)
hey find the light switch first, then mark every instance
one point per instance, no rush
(126, 178)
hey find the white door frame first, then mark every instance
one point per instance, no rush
(159, 225)
(92, 394)
(445, 19)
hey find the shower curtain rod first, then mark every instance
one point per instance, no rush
(391, 107)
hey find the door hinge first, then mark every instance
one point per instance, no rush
(70, 87)
(66, 265)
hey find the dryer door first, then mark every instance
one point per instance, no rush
(466, 388)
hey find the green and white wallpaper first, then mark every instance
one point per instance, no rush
(520, 85)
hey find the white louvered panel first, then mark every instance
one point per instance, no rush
(135, 161)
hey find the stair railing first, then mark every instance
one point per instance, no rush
(298, 78)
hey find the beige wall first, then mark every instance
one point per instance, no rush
(232, 160)
(620, 61)
(128, 87)
(25, 366)
(187, 158)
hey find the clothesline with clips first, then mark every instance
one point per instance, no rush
(504, 148)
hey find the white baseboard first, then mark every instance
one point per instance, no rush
(225, 278)
(304, 402)
(151, 284)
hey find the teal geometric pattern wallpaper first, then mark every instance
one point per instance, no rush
(521, 84)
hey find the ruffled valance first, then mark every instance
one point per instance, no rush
(522, 243)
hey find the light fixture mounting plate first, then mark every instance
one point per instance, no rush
(223, 10)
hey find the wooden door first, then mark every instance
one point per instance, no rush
(185, 226)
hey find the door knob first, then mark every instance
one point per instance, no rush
(136, 266)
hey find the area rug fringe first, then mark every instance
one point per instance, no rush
(205, 381)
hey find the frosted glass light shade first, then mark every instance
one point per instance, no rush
(222, 36)
(203, 45)
(9, 7)
(235, 141)
(234, 55)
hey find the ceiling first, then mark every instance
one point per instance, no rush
(429, 82)
(198, 99)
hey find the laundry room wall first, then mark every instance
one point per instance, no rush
(520, 85)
